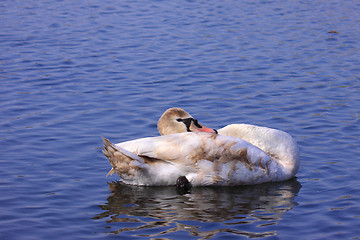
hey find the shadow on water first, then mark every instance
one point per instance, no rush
(236, 210)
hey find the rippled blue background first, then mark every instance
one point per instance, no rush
(73, 71)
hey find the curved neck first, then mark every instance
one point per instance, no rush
(276, 144)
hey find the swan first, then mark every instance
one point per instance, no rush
(237, 154)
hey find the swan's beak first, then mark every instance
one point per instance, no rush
(194, 128)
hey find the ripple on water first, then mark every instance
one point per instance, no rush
(206, 211)
(71, 73)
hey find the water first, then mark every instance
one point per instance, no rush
(73, 71)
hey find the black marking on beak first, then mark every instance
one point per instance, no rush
(196, 123)
(187, 122)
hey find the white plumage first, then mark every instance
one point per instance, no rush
(240, 154)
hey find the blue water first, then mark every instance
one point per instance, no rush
(73, 71)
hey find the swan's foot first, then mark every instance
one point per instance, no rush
(183, 185)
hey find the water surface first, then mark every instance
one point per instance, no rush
(72, 72)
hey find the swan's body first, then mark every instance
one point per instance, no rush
(240, 154)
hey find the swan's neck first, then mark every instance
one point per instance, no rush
(275, 143)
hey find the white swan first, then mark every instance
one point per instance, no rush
(240, 154)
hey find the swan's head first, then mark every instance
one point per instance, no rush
(177, 120)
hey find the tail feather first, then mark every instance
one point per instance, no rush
(123, 162)
(114, 149)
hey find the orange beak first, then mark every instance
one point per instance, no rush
(194, 128)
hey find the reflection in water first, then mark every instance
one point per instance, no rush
(237, 210)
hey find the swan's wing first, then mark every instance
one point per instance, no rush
(152, 161)
(204, 158)
(195, 149)
(173, 148)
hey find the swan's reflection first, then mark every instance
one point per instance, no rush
(230, 207)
